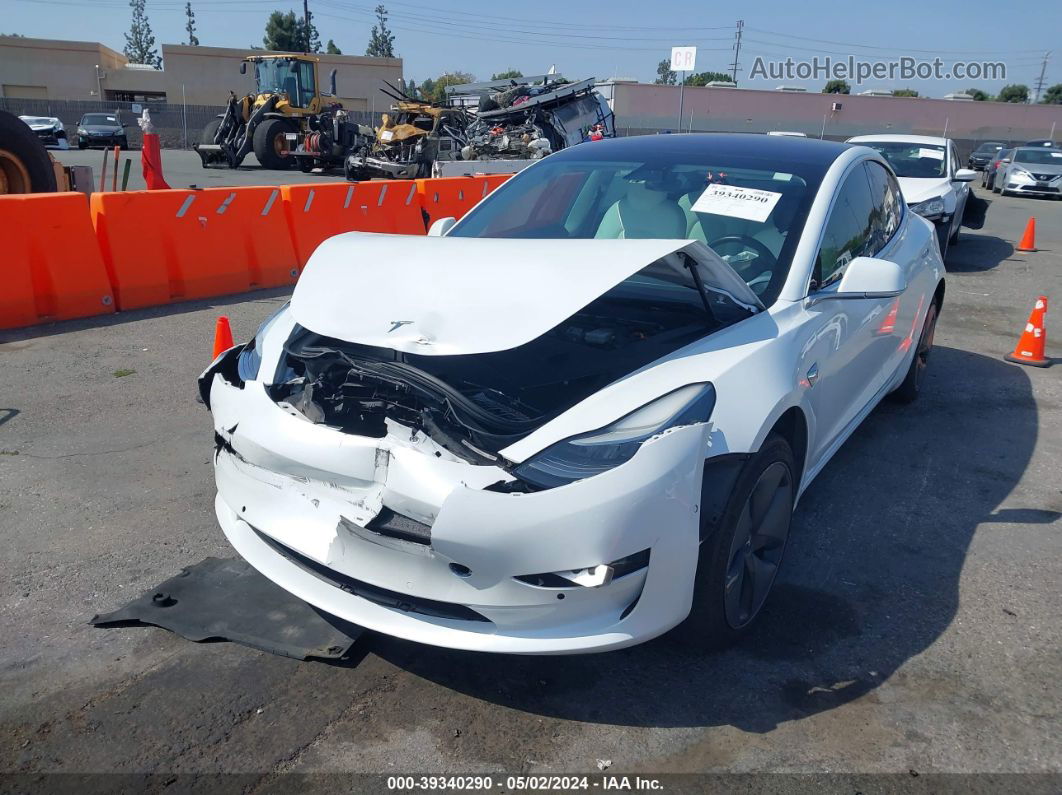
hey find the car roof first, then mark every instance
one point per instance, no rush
(783, 147)
(900, 139)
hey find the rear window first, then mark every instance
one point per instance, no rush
(925, 161)
(1043, 157)
(99, 118)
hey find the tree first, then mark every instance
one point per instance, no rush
(289, 33)
(904, 92)
(508, 74)
(381, 39)
(189, 25)
(14, 35)
(139, 41)
(664, 75)
(332, 49)
(283, 32)
(704, 78)
(427, 88)
(410, 88)
(1015, 92)
(1053, 95)
(837, 87)
(978, 95)
(438, 89)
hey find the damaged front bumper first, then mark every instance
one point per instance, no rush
(396, 535)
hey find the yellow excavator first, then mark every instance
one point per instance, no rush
(287, 120)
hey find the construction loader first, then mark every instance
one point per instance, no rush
(288, 121)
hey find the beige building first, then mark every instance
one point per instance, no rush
(46, 69)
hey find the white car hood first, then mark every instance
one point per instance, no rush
(918, 189)
(453, 295)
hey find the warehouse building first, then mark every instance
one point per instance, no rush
(46, 69)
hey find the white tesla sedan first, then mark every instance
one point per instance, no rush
(584, 414)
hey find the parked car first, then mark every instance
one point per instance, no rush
(49, 129)
(1032, 170)
(980, 157)
(933, 184)
(583, 414)
(988, 176)
(1042, 142)
(101, 129)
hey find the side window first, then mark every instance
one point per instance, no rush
(953, 164)
(888, 206)
(848, 232)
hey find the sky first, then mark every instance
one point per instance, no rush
(621, 38)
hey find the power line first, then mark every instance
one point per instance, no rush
(1040, 79)
(736, 65)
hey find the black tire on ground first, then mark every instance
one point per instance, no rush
(911, 386)
(266, 144)
(305, 164)
(995, 188)
(954, 239)
(24, 162)
(762, 499)
(123, 143)
(209, 131)
(82, 144)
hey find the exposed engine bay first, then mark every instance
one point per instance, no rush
(474, 405)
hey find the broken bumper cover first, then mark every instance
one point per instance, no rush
(294, 500)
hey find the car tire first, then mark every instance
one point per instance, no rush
(954, 239)
(82, 144)
(123, 143)
(209, 131)
(942, 240)
(758, 510)
(266, 147)
(995, 188)
(26, 164)
(911, 386)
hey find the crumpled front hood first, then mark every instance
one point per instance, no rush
(918, 189)
(446, 296)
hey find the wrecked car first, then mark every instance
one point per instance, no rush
(583, 415)
(525, 121)
(410, 138)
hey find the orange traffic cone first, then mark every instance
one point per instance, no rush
(1033, 340)
(222, 336)
(1028, 240)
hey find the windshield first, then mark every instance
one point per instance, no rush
(284, 76)
(36, 120)
(100, 118)
(749, 212)
(988, 148)
(920, 161)
(1044, 157)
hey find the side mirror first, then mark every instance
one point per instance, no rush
(965, 175)
(866, 277)
(243, 67)
(332, 82)
(441, 226)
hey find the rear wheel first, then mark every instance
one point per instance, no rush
(739, 559)
(270, 145)
(25, 166)
(209, 131)
(911, 386)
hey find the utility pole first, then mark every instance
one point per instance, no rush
(306, 26)
(1040, 79)
(736, 65)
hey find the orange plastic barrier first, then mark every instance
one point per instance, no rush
(163, 246)
(454, 196)
(320, 210)
(52, 267)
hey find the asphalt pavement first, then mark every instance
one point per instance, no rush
(183, 169)
(915, 628)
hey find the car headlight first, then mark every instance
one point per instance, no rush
(250, 359)
(930, 208)
(598, 451)
(1021, 172)
(81, 131)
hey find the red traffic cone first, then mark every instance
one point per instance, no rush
(151, 162)
(1033, 340)
(222, 337)
(1028, 240)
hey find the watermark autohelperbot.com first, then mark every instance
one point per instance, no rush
(860, 71)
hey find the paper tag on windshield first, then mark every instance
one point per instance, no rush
(736, 202)
(386, 135)
(936, 154)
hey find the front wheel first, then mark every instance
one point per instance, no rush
(271, 146)
(911, 386)
(740, 557)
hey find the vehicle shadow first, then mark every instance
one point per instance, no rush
(871, 577)
(977, 252)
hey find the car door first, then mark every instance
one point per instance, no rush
(842, 357)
